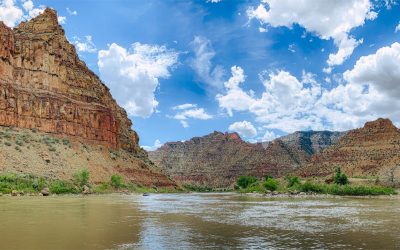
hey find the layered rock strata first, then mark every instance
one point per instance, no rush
(44, 85)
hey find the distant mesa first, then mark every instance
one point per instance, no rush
(218, 159)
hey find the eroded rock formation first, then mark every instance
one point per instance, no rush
(373, 150)
(218, 159)
(44, 85)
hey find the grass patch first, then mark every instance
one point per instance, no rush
(62, 187)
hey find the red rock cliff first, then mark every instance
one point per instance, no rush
(44, 85)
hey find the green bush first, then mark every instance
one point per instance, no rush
(292, 180)
(255, 187)
(268, 177)
(116, 181)
(81, 178)
(312, 187)
(359, 190)
(62, 187)
(340, 178)
(245, 181)
(271, 184)
(21, 182)
(336, 189)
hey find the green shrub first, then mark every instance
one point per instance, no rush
(268, 177)
(359, 190)
(7, 143)
(245, 181)
(9, 182)
(81, 178)
(340, 178)
(292, 180)
(312, 187)
(62, 187)
(19, 141)
(271, 184)
(116, 181)
(66, 142)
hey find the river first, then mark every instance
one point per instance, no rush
(198, 221)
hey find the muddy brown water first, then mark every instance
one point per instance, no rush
(198, 221)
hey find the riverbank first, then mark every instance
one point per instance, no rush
(293, 185)
(27, 184)
(21, 184)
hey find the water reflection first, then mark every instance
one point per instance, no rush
(198, 221)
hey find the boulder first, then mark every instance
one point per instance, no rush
(86, 190)
(14, 193)
(45, 191)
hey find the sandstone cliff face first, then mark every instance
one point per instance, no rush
(218, 159)
(303, 144)
(44, 85)
(373, 150)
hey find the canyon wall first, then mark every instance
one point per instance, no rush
(44, 85)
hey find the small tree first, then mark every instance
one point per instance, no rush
(245, 181)
(116, 181)
(340, 178)
(271, 184)
(292, 180)
(81, 178)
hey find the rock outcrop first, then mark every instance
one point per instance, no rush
(44, 85)
(373, 150)
(303, 144)
(218, 159)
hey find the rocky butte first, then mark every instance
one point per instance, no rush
(45, 86)
(370, 151)
(218, 159)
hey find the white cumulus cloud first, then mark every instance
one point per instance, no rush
(269, 136)
(10, 14)
(326, 19)
(190, 111)
(84, 45)
(156, 145)
(397, 29)
(133, 75)
(235, 98)
(62, 19)
(367, 91)
(243, 128)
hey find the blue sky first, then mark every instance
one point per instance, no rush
(260, 68)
